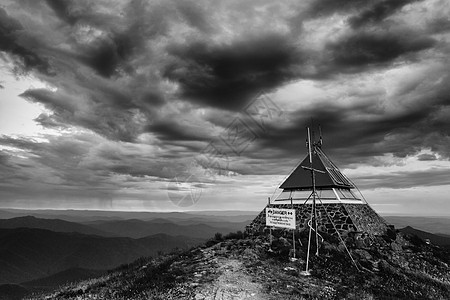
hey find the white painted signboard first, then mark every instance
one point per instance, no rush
(280, 217)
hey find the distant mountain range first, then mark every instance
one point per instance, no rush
(50, 224)
(436, 225)
(46, 248)
(197, 227)
(401, 267)
(95, 215)
(138, 228)
(35, 250)
(439, 240)
(27, 254)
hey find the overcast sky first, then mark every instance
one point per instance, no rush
(173, 105)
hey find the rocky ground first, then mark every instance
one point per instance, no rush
(395, 267)
(232, 283)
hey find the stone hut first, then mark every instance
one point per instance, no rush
(337, 206)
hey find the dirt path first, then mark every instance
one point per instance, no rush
(232, 283)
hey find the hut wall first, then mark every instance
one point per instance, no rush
(346, 218)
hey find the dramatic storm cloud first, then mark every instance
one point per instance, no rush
(144, 104)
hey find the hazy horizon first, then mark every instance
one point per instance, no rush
(210, 212)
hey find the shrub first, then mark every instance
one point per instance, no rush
(234, 235)
(218, 237)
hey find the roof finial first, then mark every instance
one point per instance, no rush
(320, 137)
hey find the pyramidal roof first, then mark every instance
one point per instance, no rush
(300, 178)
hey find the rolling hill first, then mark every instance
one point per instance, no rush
(27, 254)
(400, 267)
(63, 277)
(436, 225)
(12, 291)
(137, 228)
(50, 224)
(94, 215)
(438, 240)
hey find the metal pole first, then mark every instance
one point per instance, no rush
(310, 227)
(270, 239)
(293, 230)
(313, 175)
(309, 248)
(314, 209)
(293, 240)
(270, 229)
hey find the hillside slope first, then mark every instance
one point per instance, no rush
(441, 240)
(401, 267)
(435, 225)
(27, 254)
(63, 277)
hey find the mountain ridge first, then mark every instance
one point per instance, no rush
(136, 228)
(395, 267)
(436, 239)
(433, 225)
(56, 225)
(27, 254)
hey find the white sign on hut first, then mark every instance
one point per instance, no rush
(280, 217)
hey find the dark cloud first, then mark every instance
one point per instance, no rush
(143, 170)
(20, 143)
(152, 97)
(107, 81)
(85, 161)
(64, 10)
(229, 75)
(53, 101)
(171, 130)
(4, 158)
(112, 53)
(58, 153)
(194, 15)
(12, 34)
(367, 130)
(143, 87)
(372, 48)
(117, 120)
(322, 8)
(426, 157)
(108, 56)
(49, 121)
(378, 12)
(439, 25)
(82, 12)
(395, 180)
(102, 57)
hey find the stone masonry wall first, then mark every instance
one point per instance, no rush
(366, 219)
(346, 218)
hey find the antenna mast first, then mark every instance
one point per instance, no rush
(313, 224)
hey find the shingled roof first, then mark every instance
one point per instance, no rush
(300, 178)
